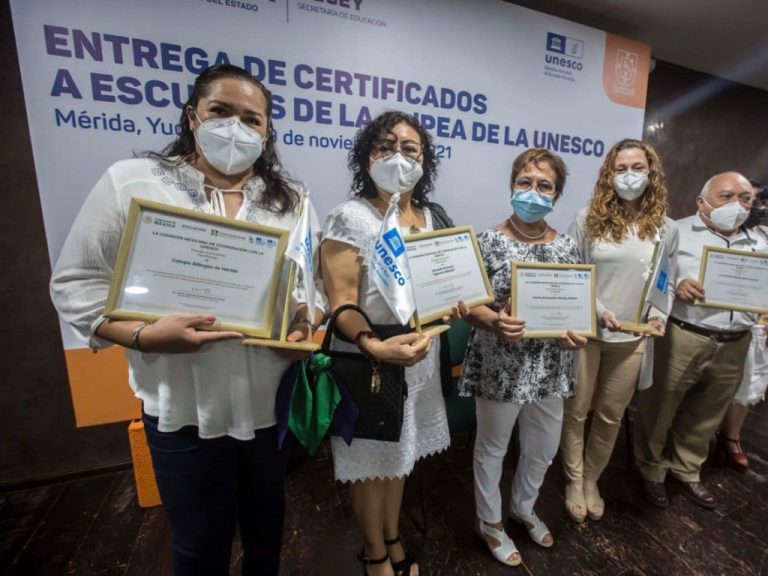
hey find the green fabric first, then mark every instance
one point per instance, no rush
(312, 407)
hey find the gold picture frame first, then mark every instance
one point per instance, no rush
(743, 256)
(462, 235)
(588, 269)
(195, 225)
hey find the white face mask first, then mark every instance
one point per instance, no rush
(630, 185)
(728, 217)
(396, 174)
(227, 145)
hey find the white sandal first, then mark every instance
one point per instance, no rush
(537, 529)
(574, 498)
(595, 504)
(506, 546)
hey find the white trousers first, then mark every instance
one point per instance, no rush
(540, 426)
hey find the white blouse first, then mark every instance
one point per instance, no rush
(622, 268)
(225, 388)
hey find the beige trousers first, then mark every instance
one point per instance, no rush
(694, 381)
(608, 372)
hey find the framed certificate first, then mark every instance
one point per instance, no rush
(654, 291)
(734, 279)
(446, 266)
(173, 260)
(554, 298)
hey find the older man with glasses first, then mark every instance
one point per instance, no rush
(699, 362)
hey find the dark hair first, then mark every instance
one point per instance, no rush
(536, 156)
(756, 217)
(362, 184)
(279, 194)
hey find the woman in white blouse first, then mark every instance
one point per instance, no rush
(208, 401)
(393, 154)
(616, 232)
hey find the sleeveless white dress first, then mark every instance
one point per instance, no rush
(425, 425)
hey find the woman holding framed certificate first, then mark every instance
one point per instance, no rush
(622, 232)
(208, 401)
(514, 378)
(392, 155)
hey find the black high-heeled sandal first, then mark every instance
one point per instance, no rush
(365, 561)
(403, 567)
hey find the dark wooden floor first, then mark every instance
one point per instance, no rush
(93, 526)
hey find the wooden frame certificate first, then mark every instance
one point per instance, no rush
(446, 266)
(554, 298)
(734, 279)
(173, 260)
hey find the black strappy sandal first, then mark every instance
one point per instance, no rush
(403, 567)
(365, 561)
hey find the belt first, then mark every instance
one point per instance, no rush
(715, 335)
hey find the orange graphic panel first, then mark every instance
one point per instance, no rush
(625, 70)
(99, 386)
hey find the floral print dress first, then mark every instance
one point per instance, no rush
(531, 370)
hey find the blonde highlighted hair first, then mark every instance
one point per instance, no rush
(606, 217)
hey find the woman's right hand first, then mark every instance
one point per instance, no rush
(179, 333)
(509, 328)
(610, 321)
(403, 350)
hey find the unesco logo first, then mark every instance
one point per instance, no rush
(564, 55)
(395, 242)
(570, 47)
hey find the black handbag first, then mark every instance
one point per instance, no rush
(378, 390)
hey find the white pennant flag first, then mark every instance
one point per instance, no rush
(658, 291)
(300, 251)
(389, 266)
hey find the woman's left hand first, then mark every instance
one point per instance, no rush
(572, 341)
(658, 325)
(297, 332)
(458, 312)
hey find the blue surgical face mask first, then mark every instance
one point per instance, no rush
(530, 206)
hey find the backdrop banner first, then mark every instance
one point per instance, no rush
(106, 79)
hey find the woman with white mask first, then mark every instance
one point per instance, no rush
(208, 401)
(392, 155)
(617, 232)
(515, 379)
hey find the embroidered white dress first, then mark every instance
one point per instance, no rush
(425, 425)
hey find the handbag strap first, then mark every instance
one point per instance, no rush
(331, 330)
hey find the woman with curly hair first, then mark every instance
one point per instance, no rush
(617, 233)
(394, 154)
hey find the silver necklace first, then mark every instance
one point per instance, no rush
(524, 235)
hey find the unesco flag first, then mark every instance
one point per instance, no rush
(658, 291)
(389, 266)
(300, 251)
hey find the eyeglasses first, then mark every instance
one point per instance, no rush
(386, 148)
(541, 186)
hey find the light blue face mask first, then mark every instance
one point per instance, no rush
(530, 206)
